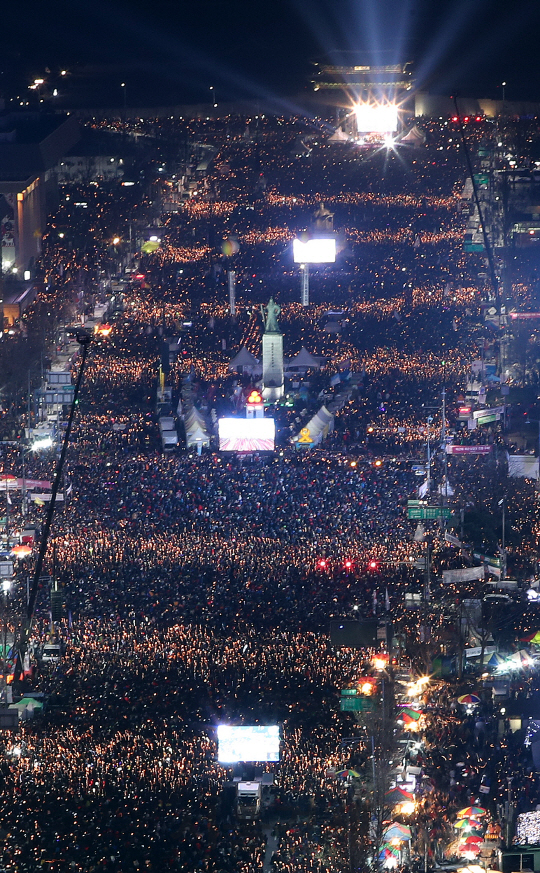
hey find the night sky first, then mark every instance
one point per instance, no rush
(173, 51)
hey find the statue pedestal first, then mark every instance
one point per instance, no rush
(272, 361)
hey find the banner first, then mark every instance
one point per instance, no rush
(495, 410)
(34, 483)
(467, 574)
(12, 483)
(523, 466)
(40, 499)
(468, 450)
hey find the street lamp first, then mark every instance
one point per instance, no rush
(213, 90)
(503, 84)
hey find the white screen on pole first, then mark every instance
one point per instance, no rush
(247, 743)
(376, 119)
(314, 251)
(246, 434)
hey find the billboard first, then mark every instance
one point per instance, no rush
(247, 743)
(354, 634)
(319, 250)
(528, 827)
(371, 118)
(246, 434)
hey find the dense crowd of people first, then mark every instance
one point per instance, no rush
(199, 589)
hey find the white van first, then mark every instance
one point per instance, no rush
(52, 652)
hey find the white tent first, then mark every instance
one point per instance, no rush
(414, 137)
(195, 427)
(245, 362)
(194, 419)
(303, 361)
(339, 136)
(197, 437)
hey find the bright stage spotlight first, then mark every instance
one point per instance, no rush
(372, 118)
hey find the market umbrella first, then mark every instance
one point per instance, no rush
(398, 795)
(410, 716)
(468, 698)
(414, 713)
(31, 702)
(472, 839)
(21, 551)
(496, 660)
(522, 658)
(388, 851)
(345, 773)
(397, 831)
(471, 811)
(473, 848)
(470, 823)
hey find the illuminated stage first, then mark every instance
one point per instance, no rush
(373, 100)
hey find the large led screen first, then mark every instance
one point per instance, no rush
(376, 119)
(246, 434)
(321, 250)
(247, 743)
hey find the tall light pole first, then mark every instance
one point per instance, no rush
(502, 504)
(123, 87)
(214, 99)
(503, 85)
(428, 478)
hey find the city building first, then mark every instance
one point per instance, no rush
(31, 146)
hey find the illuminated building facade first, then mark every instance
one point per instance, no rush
(372, 97)
(30, 148)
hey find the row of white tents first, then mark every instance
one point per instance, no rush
(195, 427)
(245, 362)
